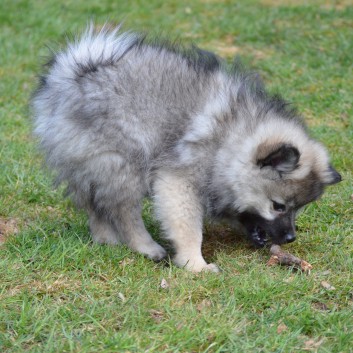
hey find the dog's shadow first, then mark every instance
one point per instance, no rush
(220, 237)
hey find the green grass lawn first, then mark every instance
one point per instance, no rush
(61, 293)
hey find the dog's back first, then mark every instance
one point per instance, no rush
(117, 92)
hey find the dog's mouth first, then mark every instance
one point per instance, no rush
(258, 237)
(260, 231)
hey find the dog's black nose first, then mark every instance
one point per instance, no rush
(290, 237)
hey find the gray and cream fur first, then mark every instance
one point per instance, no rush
(121, 117)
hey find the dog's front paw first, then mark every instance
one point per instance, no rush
(195, 265)
(211, 268)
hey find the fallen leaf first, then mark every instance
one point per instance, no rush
(164, 284)
(156, 315)
(290, 279)
(126, 261)
(327, 285)
(305, 266)
(179, 326)
(320, 306)
(103, 278)
(312, 344)
(282, 327)
(205, 303)
(122, 297)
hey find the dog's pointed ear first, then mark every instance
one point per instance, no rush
(333, 176)
(283, 158)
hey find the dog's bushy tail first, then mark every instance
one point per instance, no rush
(86, 53)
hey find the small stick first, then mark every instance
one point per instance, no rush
(278, 256)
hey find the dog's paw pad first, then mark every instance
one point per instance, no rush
(211, 268)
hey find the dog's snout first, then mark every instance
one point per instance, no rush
(290, 237)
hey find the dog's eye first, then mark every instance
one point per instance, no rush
(279, 207)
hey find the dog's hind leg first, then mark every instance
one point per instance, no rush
(181, 215)
(116, 192)
(132, 232)
(102, 230)
(125, 227)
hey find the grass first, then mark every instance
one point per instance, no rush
(61, 293)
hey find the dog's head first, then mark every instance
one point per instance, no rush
(288, 178)
(275, 172)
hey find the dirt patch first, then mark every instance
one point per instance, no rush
(219, 237)
(213, 1)
(328, 5)
(58, 286)
(226, 48)
(7, 227)
(227, 51)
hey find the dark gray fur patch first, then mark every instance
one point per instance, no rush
(196, 58)
(283, 158)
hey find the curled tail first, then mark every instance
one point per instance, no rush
(87, 53)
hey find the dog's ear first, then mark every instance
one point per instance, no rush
(333, 176)
(283, 158)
